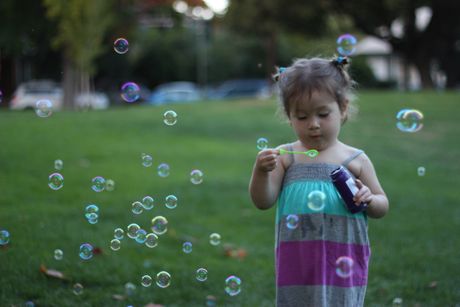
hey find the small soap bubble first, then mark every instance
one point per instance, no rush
(4, 237)
(98, 184)
(58, 165)
(171, 201)
(146, 281)
(196, 176)
(78, 289)
(421, 171)
(346, 44)
(91, 211)
(109, 185)
(141, 236)
(211, 301)
(115, 244)
(159, 225)
(397, 301)
(58, 254)
(137, 207)
(214, 239)
(44, 108)
(146, 160)
(130, 288)
(344, 267)
(86, 251)
(187, 247)
(118, 233)
(130, 92)
(55, 181)
(163, 279)
(132, 230)
(163, 170)
(316, 200)
(170, 118)
(147, 202)
(262, 143)
(292, 221)
(233, 285)
(201, 274)
(93, 218)
(121, 45)
(151, 240)
(409, 120)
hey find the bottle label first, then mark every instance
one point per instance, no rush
(352, 186)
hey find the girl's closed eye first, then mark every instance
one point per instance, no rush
(326, 114)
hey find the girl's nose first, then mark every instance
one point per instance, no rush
(313, 124)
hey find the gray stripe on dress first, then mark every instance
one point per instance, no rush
(321, 226)
(309, 171)
(320, 296)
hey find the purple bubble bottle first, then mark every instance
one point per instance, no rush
(347, 188)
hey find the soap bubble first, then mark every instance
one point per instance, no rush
(4, 237)
(163, 170)
(55, 181)
(147, 160)
(130, 92)
(132, 230)
(58, 254)
(109, 185)
(214, 239)
(421, 171)
(130, 288)
(58, 165)
(98, 184)
(262, 143)
(201, 274)
(211, 301)
(121, 45)
(409, 120)
(141, 236)
(78, 289)
(170, 118)
(118, 233)
(292, 221)
(187, 247)
(171, 202)
(86, 251)
(346, 44)
(137, 207)
(159, 225)
(146, 280)
(233, 285)
(44, 108)
(147, 202)
(316, 200)
(115, 244)
(344, 267)
(151, 240)
(163, 279)
(91, 212)
(196, 176)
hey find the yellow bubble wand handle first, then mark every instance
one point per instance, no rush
(310, 153)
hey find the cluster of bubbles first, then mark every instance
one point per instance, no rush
(170, 118)
(86, 251)
(344, 266)
(55, 181)
(98, 184)
(316, 200)
(92, 213)
(346, 44)
(409, 120)
(130, 92)
(262, 143)
(58, 254)
(121, 45)
(44, 108)
(233, 285)
(4, 237)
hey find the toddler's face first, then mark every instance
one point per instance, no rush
(316, 121)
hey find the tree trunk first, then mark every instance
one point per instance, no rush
(270, 60)
(76, 81)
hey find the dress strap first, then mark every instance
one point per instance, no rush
(291, 156)
(353, 156)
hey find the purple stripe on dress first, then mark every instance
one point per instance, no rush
(314, 263)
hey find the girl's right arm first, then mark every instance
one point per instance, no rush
(266, 180)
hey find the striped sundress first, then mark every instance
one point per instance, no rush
(307, 255)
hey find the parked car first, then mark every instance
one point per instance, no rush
(27, 94)
(242, 88)
(175, 92)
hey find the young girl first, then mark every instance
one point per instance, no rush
(322, 250)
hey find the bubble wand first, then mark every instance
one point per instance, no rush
(309, 153)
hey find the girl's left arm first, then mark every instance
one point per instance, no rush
(370, 190)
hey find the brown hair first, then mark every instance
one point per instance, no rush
(306, 76)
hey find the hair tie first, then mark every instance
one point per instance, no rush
(340, 61)
(281, 69)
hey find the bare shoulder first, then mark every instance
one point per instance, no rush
(359, 163)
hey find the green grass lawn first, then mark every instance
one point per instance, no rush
(415, 248)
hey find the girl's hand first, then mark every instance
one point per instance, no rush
(266, 160)
(364, 194)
